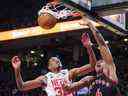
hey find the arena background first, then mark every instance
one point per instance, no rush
(35, 51)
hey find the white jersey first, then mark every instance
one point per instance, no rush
(54, 83)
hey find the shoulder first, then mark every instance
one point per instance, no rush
(49, 75)
(64, 71)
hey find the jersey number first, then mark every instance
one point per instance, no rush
(58, 91)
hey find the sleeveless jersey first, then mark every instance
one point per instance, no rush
(54, 83)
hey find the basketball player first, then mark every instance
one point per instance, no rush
(106, 78)
(52, 82)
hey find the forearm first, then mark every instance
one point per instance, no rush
(31, 84)
(77, 86)
(92, 57)
(103, 47)
(84, 82)
(85, 70)
(97, 35)
(19, 80)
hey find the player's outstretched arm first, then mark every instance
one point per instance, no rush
(73, 73)
(23, 86)
(75, 86)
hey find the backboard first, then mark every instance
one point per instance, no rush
(97, 4)
(111, 12)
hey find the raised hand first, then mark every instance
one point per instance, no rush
(86, 40)
(16, 62)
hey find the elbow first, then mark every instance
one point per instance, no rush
(21, 87)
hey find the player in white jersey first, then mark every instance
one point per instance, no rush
(106, 80)
(53, 81)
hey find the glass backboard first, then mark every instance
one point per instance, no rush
(117, 19)
(114, 11)
(98, 3)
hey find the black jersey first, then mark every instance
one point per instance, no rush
(102, 87)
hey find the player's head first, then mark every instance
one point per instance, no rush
(99, 66)
(54, 63)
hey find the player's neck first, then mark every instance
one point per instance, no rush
(57, 70)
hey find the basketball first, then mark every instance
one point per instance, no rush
(47, 21)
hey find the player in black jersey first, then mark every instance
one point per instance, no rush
(105, 83)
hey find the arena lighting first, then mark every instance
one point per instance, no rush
(106, 42)
(125, 48)
(126, 39)
(126, 9)
(42, 55)
(35, 64)
(32, 52)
